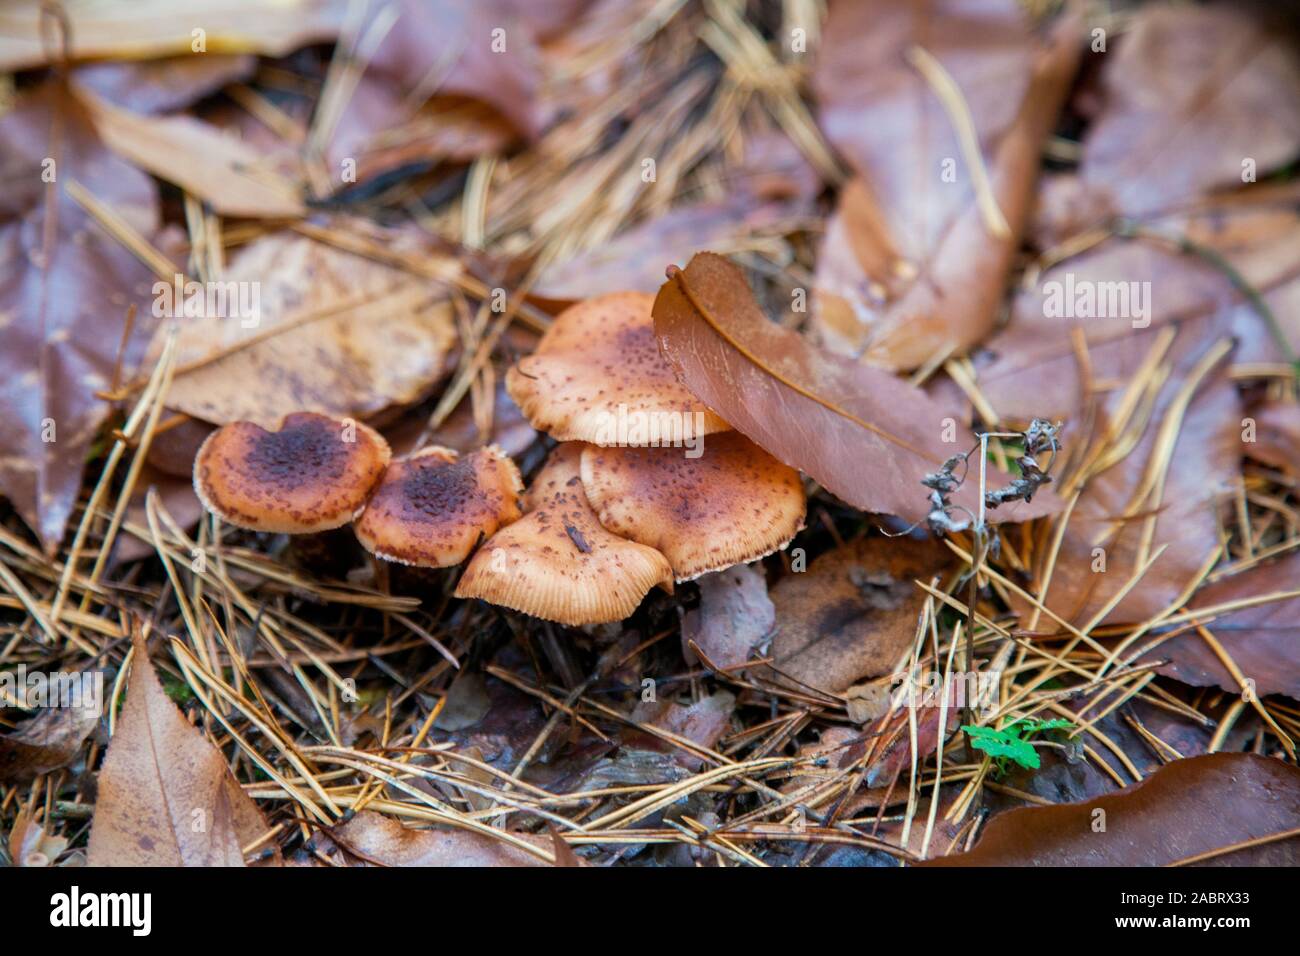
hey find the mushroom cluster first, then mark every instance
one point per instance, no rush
(648, 487)
(633, 497)
(315, 473)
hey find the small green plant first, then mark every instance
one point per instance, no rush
(1011, 743)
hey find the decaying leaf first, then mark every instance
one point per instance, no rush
(1263, 640)
(482, 51)
(854, 612)
(162, 86)
(166, 796)
(702, 722)
(1190, 808)
(380, 840)
(64, 296)
(1194, 98)
(914, 261)
(1276, 438)
(865, 435)
(223, 171)
(51, 739)
(336, 333)
(147, 28)
(734, 616)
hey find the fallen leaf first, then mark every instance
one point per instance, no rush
(853, 613)
(1262, 640)
(223, 171)
(911, 265)
(865, 435)
(166, 795)
(163, 86)
(444, 129)
(484, 51)
(633, 260)
(1189, 94)
(64, 296)
(734, 616)
(1184, 809)
(139, 29)
(380, 840)
(1277, 436)
(337, 334)
(703, 722)
(50, 740)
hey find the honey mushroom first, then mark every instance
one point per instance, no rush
(313, 473)
(557, 562)
(433, 507)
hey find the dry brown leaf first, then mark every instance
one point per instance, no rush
(1190, 94)
(383, 841)
(64, 295)
(911, 265)
(356, 338)
(139, 29)
(734, 616)
(1187, 808)
(161, 86)
(703, 722)
(51, 739)
(633, 261)
(865, 435)
(1263, 640)
(166, 795)
(223, 171)
(1277, 436)
(854, 612)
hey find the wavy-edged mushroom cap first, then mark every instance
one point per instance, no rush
(433, 507)
(557, 562)
(598, 376)
(734, 503)
(313, 473)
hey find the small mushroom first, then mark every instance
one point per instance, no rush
(311, 474)
(557, 562)
(734, 503)
(598, 376)
(433, 507)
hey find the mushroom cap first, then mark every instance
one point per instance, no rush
(734, 503)
(598, 376)
(557, 562)
(433, 507)
(302, 477)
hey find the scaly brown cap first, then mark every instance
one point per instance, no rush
(313, 473)
(598, 376)
(557, 562)
(734, 503)
(433, 507)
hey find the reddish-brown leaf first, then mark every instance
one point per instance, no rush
(910, 267)
(166, 795)
(864, 434)
(1184, 809)
(1189, 94)
(1262, 640)
(383, 841)
(734, 616)
(853, 613)
(64, 295)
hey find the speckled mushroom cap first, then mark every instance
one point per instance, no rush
(598, 376)
(313, 473)
(557, 562)
(734, 503)
(433, 507)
